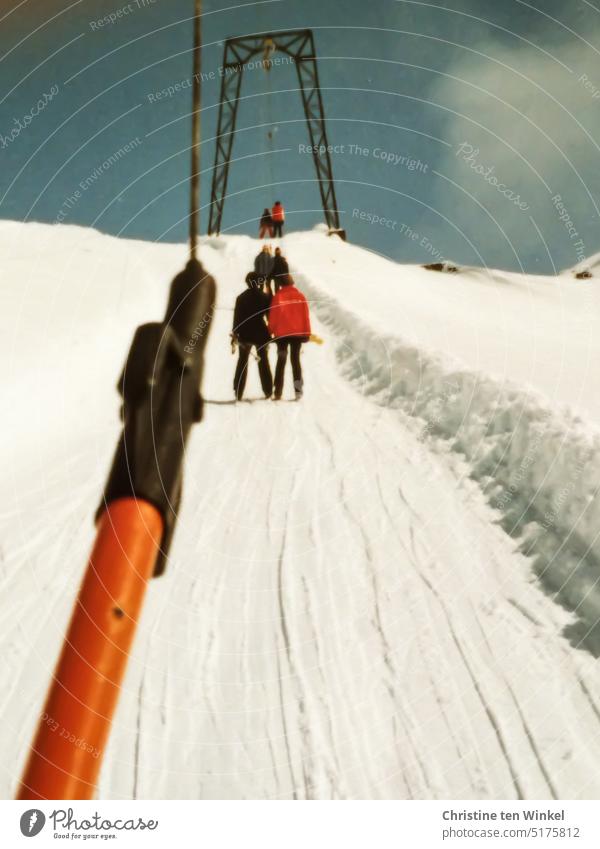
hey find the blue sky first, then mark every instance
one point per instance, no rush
(498, 103)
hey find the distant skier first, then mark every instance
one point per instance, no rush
(250, 330)
(263, 266)
(289, 323)
(265, 228)
(278, 219)
(280, 268)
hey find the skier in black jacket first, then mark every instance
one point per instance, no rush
(250, 330)
(280, 269)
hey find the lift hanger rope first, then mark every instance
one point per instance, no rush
(196, 104)
(160, 391)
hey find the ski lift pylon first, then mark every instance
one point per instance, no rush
(299, 46)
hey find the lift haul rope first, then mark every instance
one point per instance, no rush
(161, 401)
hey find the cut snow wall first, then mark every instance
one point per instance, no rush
(538, 467)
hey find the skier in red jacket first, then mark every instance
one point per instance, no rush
(289, 324)
(278, 218)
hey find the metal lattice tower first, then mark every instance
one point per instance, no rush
(300, 46)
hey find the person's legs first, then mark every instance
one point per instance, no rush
(278, 229)
(241, 371)
(295, 348)
(282, 350)
(263, 231)
(264, 370)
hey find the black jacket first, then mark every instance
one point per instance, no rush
(280, 267)
(251, 309)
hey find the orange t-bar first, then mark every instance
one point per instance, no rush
(73, 730)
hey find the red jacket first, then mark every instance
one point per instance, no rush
(288, 315)
(278, 213)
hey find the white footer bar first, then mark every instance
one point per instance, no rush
(302, 825)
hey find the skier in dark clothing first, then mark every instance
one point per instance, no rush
(263, 265)
(250, 330)
(280, 270)
(265, 228)
(289, 323)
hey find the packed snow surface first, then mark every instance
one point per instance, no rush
(388, 590)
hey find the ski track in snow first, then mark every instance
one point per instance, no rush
(342, 616)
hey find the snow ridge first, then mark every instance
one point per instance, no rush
(537, 465)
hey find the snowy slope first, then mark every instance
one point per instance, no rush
(503, 367)
(343, 615)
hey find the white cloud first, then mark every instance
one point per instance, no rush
(524, 126)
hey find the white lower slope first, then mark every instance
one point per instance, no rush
(342, 616)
